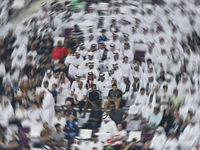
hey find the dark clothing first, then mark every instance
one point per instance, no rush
(80, 105)
(73, 111)
(167, 119)
(136, 87)
(115, 95)
(96, 114)
(54, 94)
(105, 54)
(76, 34)
(117, 115)
(135, 148)
(94, 96)
(64, 70)
(160, 79)
(71, 126)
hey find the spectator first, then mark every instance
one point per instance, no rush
(62, 68)
(79, 144)
(75, 84)
(54, 92)
(165, 98)
(94, 118)
(119, 136)
(153, 120)
(20, 114)
(176, 100)
(95, 144)
(172, 142)
(59, 52)
(80, 96)
(103, 37)
(114, 97)
(159, 139)
(14, 144)
(107, 125)
(71, 129)
(146, 146)
(93, 96)
(117, 115)
(109, 145)
(58, 136)
(133, 145)
(166, 121)
(44, 64)
(69, 109)
(59, 119)
(176, 123)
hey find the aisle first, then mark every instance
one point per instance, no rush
(33, 8)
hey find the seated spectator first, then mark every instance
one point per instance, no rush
(59, 52)
(119, 136)
(172, 142)
(63, 85)
(14, 144)
(102, 37)
(93, 96)
(165, 98)
(159, 139)
(22, 78)
(114, 97)
(58, 136)
(70, 52)
(176, 100)
(59, 119)
(94, 118)
(133, 145)
(32, 52)
(69, 110)
(75, 84)
(6, 111)
(95, 144)
(146, 146)
(71, 129)
(20, 114)
(166, 121)
(54, 92)
(190, 135)
(153, 120)
(79, 144)
(90, 80)
(80, 96)
(62, 68)
(109, 145)
(176, 123)
(45, 136)
(44, 64)
(117, 115)
(107, 125)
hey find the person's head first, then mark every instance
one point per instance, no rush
(80, 84)
(150, 78)
(77, 55)
(115, 37)
(115, 66)
(71, 118)
(156, 110)
(44, 55)
(61, 64)
(126, 46)
(22, 107)
(94, 148)
(8, 87)
(142, 91)
(58, 127)
(125, 59)
(59, 44)
(116, 56)
(101, 45)
(101, 77)
(134, 142)
(125, 78)
(94, 87)
(34, 105)
(56, 74)
(103, 31)
(91, 65)
(176, 92)
(21, 72)
(91, 37)
(119, 127)
(167, 112)
(114, 87)
(106, 118)
(46, 84)
(90, 56)
(68, 105)
(77, 78)
(58, 114)
(95, 138)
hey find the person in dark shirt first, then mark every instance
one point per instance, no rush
(62, 67)
(44, 64)
(117, 114)
(9, 41)
(92, 97)
(114, 97)
(133, 145)
(69, 109)
(71, 128)
(54, 92)
(94, 118)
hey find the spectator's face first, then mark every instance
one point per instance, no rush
(43, 56)
(90, 57)
(94, 88)
(101, 79)
(91, 66)
(49, 75)
(155, 110)
(76, 28)
(58, 128)
(77, 79)
(80, 84)
(165, 89)
(119, 127)
(77, 56)
(59, 115)
(61, 65)
(114, 88)
(116, 57)
(126, 60)
(101, 46)
(8, 88)
(142, 92)
(59, 44)
(90, 77)
(53, 87)
(71, 118)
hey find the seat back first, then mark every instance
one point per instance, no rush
(35, 131)
(134, 134)
(61, 100)
(85, 133)
(56, 39)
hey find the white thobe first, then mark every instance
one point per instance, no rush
(82, 146)
(158, 141)
(99, 145)
(171, 144)
(108, 127)
(72, 67)
(101, 86)
(142, 100)
(64, 89)
(6, 113)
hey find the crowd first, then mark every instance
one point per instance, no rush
(136, 66)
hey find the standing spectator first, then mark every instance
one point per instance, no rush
(71, 129)
(54, 92)
(94, 118)
(80, 96)
(95, 143)
(93, 96)
(59, 52)
(58, 136)
(114, 97)
(117, 114)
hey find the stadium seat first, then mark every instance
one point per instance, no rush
(18, 4)
(81, 121)
(85, 133)
(104, 136)
(56, 39)
(12, 127)
(139, 55)
(35, 131)
(134, 134)
(103, 6)
(61, 101)
(67, 33)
